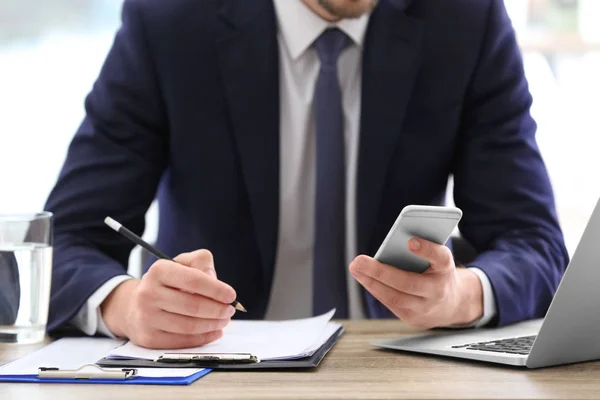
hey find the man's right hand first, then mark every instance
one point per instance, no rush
(175, 304)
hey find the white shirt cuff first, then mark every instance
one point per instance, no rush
(89, 318)
(489, 303)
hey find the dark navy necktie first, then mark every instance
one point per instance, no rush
(329, 273)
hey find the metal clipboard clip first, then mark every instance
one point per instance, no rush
(93, 372)
(208, 358)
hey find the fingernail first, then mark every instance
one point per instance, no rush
(211, 272)
(415, 244)
(232, 296)
(358, 275)
(356, 266)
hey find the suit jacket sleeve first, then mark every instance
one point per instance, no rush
(501, 182)
(113, 167)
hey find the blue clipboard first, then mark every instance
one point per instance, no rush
(140, 380)
(73, 360)
(137, 380)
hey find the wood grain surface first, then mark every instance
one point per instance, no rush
(352, 370)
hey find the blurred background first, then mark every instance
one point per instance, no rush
(51, 52)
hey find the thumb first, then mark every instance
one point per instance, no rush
(438, 255)
(201, 260)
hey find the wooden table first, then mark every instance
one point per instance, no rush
(352, 370)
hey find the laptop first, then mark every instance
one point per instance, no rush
(569, 333)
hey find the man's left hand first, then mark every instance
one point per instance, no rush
(441, 296)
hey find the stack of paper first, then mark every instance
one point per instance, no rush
(304, 342)
(268, 340)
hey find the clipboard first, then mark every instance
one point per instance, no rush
(107, 379)
(72, 360)
(191, 360)
(128, 376)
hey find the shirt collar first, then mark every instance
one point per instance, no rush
(300, 27)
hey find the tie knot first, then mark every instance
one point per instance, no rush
(330, 45)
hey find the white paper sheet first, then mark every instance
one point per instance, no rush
(265, 339)
(329, 330)
(73, 353)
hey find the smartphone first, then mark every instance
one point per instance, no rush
(433, 223)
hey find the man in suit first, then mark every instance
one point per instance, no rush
(282, 138)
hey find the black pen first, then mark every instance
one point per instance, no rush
(138, 240)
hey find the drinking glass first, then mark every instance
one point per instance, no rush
(25, 275)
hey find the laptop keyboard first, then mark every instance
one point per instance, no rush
(519, 345)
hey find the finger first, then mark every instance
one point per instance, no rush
(191, 304)
(390, 297)
(175, 323)
(157, 339)
(172, 274)
(398, 312)
(403, 281)
(200, 259)
(438, 255)
(414, 318)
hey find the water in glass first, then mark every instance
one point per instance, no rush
(25, 275)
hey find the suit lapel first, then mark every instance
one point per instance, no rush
(390, 65)
(248, 57)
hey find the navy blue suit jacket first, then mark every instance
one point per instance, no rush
(186, 109)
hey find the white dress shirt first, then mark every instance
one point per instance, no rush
(291, 295)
